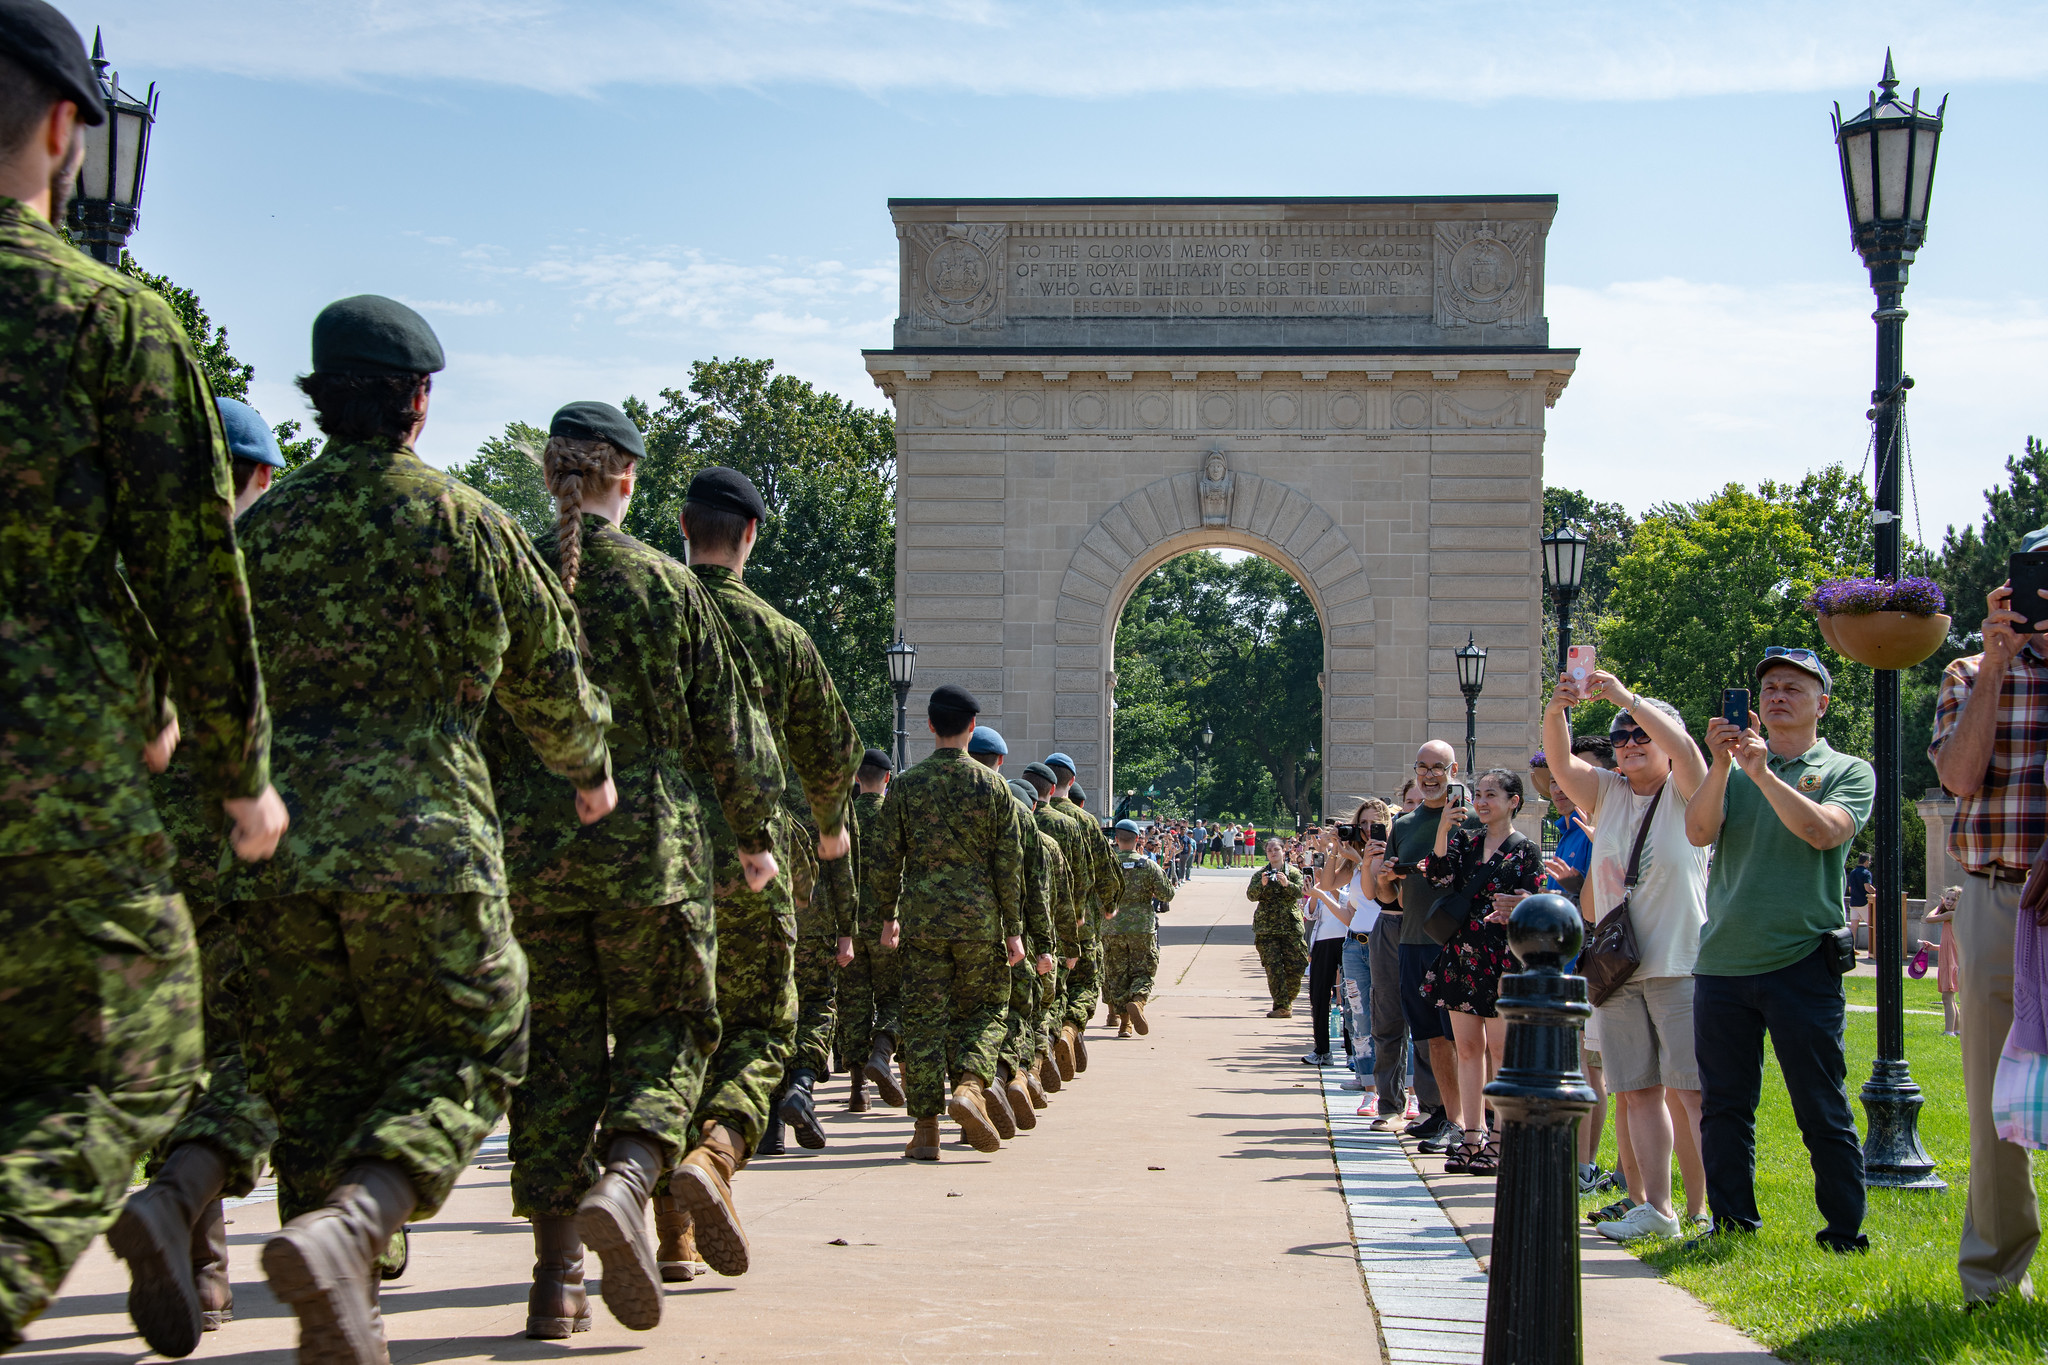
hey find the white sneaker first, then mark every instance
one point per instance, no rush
(1641, 1221)
(1352, 1082)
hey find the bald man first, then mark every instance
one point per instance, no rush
(1436, 1060)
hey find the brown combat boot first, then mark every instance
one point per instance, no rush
(856, 1092)
(1037, 1087)
(924, 1141)
(704, 1184)
(995, 1101)
(879, 1070)
(1080, 1048)
(154, 1234)
(1115, 1019)
(1123, 1026)
(1063, 1053)
(1022, 1112)
(969, 1109)
(612, 1220)
(210, 1268)
(557, 1305)
(1049, 1076)
(324, 1265)
(675, 1248)
(1134, 1010)
(1280, 1012)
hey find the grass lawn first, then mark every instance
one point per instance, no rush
(1901, 1303)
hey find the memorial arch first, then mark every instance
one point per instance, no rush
(1353, 388)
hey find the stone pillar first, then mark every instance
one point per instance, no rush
(1937, 811)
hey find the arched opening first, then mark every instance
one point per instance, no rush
(1227, 645)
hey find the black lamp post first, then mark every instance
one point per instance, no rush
(1564, 564)
(1195, 802)
(1887, 155)
(902, 658)
(108, 201)
(1471, 680)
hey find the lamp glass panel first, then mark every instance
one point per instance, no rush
(94, 173)
(1553, 551)
(1923, 172)
(1893, 147)
(1856, 155)
(128, 157)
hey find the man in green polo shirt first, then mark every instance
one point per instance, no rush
(1783, 811)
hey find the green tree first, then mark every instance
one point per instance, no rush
(506, 469)
(1609, 531)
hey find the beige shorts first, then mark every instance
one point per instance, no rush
(1646, 1035)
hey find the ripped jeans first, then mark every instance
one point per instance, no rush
(1354, 991)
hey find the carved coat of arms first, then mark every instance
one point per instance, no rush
(956, 272)
(1485, 273)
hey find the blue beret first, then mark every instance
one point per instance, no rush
(248, 437)
(370, 334)
(986, 741)
(589, 421)
(1128, 827)
(1060, 761)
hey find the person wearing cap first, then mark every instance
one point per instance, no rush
(114, 459)
(616, 917)
(1063, 947)
(826, 922)
(755, 1070)
(1018, 1049)
(1066, 1055)
(1098, 854)
(1130, 940)
(1782, 805)
(1989, 746)
(397, 607)
(949, 882)
(870, 986)
(1034, 999)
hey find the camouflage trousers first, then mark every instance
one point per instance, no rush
(381, 1027)
(1128, 963)
(756, 988)
(225, 1113)
(956, 994)
(1283, 955)
(1024, 1026)
(1083, 986)
(817, 973)
(870, 990)
(625, 1019)
(100, 1046)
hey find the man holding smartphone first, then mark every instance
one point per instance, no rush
(1414, 1015)
(1990, 741)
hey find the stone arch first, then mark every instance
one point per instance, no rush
(1164, 519)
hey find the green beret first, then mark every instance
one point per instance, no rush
(954, 697)
(729, 491)
(41, 39)
(1026, 797)
(877, 758)
(1042, 773)
(588, 421)
(370, 334)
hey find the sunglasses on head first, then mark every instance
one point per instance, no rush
(1780, 652)
(1635, 735)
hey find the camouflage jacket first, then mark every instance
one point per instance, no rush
(827, 905)
(1279, 901)
(685, 698)
(1142, 884)
(1060, 934)
(1099, 855)
(867, 811)
(396, 604)
(1077, 930)
(812, 728)
(947, 860)
(1039, 934)
(117, 556)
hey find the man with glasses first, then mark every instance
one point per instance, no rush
(1402, 954)
(1783, 810)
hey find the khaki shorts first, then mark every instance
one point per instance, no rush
(1646, 1035)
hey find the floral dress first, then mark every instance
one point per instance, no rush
(1466, 974)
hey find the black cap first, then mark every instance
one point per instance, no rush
(1041, 772)
(44, 41)
(588, 421)
(875, 758)
(370, 334)
(1077, 794)
(729, 491)
(954, 697)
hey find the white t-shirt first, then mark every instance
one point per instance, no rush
(1670, 902)
(1365, 911)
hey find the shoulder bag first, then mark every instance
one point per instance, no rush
(1611, 955)
(1453, 908)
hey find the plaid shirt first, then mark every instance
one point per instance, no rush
(2006, 821)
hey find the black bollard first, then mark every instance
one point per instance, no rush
(1539, 1096)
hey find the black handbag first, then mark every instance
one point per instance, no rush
(1451, 911)
(1611, 955)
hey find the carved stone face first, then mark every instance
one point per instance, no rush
(1214, 468)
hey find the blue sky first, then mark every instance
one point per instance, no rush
(584, 197)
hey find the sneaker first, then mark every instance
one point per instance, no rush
(1639, 1222)
(1611, 1182)
(1593, 1178)
(1368, 1107)
(1618, 1209)
(1316, 1058)
(1443, 1136)
(1352, 1082)
(1715, 1236)
(1422, 1125)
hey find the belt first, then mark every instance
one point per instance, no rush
(1998, 872)
(1358, 938)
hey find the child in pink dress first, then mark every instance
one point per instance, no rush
(1945, 961)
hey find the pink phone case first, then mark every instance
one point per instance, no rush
(1578, 662)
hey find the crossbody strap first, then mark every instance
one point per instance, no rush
(1635, 855)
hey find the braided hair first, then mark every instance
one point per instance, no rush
(566, 466)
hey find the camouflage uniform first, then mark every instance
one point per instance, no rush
(870, 985)
(1089, 853)
(947, 863)
(757, 998)
(111, 456)
(1048, 899)
(1276, 930)
(387, 995)
(825, 911)
(616, 916)
(1130, 942)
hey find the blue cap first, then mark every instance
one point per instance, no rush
(986, 741)
(248, 437)
(1128, 827)
(1060, 761)
(2033, 540)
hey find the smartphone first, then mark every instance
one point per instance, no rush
(1376, 833)
(1458, 794)
(2029, 575)
(1735, 707)
(1578, 663)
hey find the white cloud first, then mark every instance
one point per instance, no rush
(459, 308)
(1466, 50)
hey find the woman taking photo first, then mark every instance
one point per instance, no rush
(1330, 919)
(1496, 867)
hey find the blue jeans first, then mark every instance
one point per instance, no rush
(1355, 994)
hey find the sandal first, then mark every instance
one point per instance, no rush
(1458, 1160)
(1487, 1161)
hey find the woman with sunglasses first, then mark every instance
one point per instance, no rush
(1646, 1029)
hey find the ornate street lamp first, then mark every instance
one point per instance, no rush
(1887, 156)
(108, 202)
(1564, 565)
(902, 657)
(1471, 681)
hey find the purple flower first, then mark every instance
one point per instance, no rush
(1919, 596)
(1862, 596)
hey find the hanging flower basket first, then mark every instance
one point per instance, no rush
(1880, 623)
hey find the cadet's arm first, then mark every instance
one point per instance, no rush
(825, 749)
(727, 726)
(542, 685)
(886, 870)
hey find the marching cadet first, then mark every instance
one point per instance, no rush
(112, 456)
(825, 926)
(386, 999)
(1130, 941)
(757, 998)
(1034, 993)
(1084, 982)
(1278, 887)
(987, 747)
(869, 986)
(948, 876)
(1077, 936)
(616, 917)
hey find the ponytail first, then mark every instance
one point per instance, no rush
(566, 466)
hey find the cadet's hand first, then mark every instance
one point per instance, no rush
(593, 805)
(1070, 963)
(260, 821)
(1045, 964)
(759, 869)
(892, 933)
(845, 954)
(1016, 946)
(835, 845)
(156, 755)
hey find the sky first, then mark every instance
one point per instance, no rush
(583, 196)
